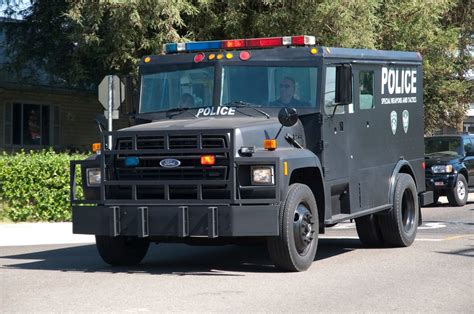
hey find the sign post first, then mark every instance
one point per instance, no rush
(111, 96)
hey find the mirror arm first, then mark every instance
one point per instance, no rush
(279, 131)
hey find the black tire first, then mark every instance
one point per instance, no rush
(459, 194)
(399, 225)
(121, 251)
(369, 232)
(435, 198)
(292, 250)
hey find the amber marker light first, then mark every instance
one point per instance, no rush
(314, 51)
(147, 59)
(270, 144)
(96, 147)
(285, 168)
(220, 56)
(212, 56)
(229, 55)
(208, 160)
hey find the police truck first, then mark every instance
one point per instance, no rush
(263, 139)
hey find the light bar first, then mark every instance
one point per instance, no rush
(265, 42)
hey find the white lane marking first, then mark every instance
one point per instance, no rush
(426, 226)
(357, 238)
(432, 225)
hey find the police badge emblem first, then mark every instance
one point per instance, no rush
(405, 120)
(393, 121)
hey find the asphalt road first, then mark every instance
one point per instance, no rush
(435, 274)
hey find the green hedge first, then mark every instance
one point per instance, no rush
(34, 186)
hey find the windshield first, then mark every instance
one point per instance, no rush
(443, 145)
(177, 89)
(269, 86)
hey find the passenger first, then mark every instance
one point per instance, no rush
(287, 95)
(186, 101)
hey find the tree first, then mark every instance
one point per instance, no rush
(81, 41)
(78, 42)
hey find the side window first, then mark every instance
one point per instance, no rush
(330, 92)
(468, 145)
(366, 90)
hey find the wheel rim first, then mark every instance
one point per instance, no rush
(408, 211)
(461, 190)
(303, 228)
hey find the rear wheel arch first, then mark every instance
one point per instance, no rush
(402, 166)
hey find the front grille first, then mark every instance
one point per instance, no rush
(150, 180)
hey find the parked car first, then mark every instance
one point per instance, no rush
(450, 167)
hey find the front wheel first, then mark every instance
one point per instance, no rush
(458, 195)
(122, 251)
(295, 248)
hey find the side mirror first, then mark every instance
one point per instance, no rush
(129, 106)
(343, 84)
(288, 116)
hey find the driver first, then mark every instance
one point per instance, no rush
(287, 95)
(186, 101)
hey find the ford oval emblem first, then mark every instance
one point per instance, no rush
(170, 163)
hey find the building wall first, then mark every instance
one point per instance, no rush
(77, 128)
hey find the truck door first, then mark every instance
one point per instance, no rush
(367, 141)
(335, 156)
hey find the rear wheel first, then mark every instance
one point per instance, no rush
(369, 231)
(122, 251)
(399, 226)
(295, 248)
(459, 194)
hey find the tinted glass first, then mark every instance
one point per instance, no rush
(443, 145)
(270, 86)
(184, 88)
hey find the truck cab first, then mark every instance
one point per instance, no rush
(270, 139)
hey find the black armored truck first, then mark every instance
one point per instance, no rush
(262, 139)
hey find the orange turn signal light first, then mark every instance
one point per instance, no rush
(270, 144)
(96, 147)
(208, 160)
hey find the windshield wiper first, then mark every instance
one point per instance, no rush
(178, 111)
(244, 104)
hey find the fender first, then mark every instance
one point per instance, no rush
(401, 163)
(295, 158)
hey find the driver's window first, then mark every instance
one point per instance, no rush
(330, 92)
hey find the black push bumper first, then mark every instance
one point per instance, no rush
(177, 221)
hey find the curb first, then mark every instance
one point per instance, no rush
(21, 234)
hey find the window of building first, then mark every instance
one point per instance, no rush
(31, 124)
(366, 90)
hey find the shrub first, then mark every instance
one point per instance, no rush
(35, 185)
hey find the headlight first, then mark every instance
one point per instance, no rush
(93, 176)
(262, 175)
(442, 169)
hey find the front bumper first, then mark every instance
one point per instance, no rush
(441, 181)
(177, 221)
